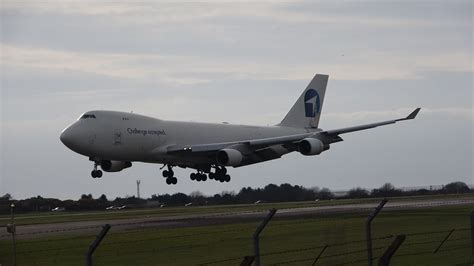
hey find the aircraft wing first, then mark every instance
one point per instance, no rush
(254, 144)
(327, 136)
(335, 132)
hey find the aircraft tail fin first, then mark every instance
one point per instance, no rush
(306, 112)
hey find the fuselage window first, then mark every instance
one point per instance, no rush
(87, 116)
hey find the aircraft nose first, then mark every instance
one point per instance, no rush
(66, 137)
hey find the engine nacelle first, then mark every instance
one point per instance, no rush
(114, 166)
(311, 146)
(229, 157)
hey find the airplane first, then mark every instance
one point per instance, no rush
(113, 140)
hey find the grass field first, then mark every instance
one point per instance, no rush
(289, 242)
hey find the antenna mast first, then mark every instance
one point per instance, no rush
(138, 189)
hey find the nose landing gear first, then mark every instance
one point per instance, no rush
(96, 173)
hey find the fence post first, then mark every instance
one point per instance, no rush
(442, 242)
(11, 228)
(397, 242)
(319, 255)
(96, 243)
(368, 229)
(472, 231)
(256, 234)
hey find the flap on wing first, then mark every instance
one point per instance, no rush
(255, 143)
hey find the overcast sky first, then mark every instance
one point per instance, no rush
(241, 62)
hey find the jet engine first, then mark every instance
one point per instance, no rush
(229, 157)
(114, 166)
(311, 146)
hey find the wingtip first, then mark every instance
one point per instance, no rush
(413, 114)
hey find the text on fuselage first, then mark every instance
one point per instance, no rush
(145, 132)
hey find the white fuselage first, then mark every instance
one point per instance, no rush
(120, 136)
(113, 140)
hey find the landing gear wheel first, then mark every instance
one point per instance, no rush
(192, 176)
(221, 171)
(171, 180)
(203, 177)
(168, 173)
(212, 175)
(96, 174)
(226, 178)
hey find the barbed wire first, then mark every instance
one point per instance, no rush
(147, 226)
(236, 238)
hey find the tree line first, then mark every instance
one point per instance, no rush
(247, 195)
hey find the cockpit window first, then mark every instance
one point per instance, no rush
(87, 116)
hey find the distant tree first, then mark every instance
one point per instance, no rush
(86, 197)
(70, 205)
(358, 192)
(7, 196)
(102, 198)
(87, 202)
(197, 197)
(179, 199)
(228, 197)
(325, 194)
(387, 187)
(246, 195)
(456, 188)
(196, 194)
(422, 191)
(386, 190)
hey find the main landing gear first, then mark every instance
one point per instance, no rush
(198, 176)
(169, 175)
(96, 173)
(220, 174)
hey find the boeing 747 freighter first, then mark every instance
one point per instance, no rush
(113, 140)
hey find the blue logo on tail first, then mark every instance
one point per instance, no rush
(312, 103)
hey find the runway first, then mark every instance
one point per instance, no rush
(202, 219)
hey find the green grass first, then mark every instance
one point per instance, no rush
(51, 217)
(283, 241)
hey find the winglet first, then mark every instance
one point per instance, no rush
(413, 114)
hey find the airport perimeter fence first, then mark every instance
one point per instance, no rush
(336, 239)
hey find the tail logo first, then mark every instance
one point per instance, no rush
(312, 103)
